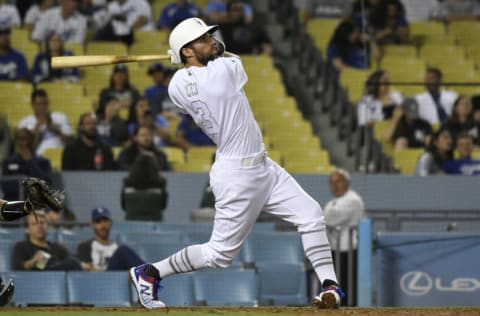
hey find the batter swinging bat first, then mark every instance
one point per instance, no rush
(99, 60)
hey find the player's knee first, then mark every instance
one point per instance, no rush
(220, 258)
(312, 219)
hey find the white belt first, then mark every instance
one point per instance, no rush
(241, 162)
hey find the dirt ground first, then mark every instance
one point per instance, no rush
(240, 311)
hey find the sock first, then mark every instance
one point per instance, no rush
(150, 270)
(186, 260)
(318, 251)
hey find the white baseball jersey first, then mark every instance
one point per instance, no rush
(427, 109)
(221, 110)
(9, 16)
(133, 9)
(73, 29)
(33, 15)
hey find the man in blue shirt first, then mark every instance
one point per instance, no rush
(13, 65)
(464, 164)
(176, 12)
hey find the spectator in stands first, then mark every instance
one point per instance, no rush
(142, 142)
(102, 253)
(42, 69)
(342, 214)
(311, 9)
(87, 151)
(120, 88)
(35, 13)
(189, 134)
(361, 10)
(111, 128)
(176, 12)
(37, 253)
(421, 10)
(463, 164)
(435, 104)
(13, 65)
(9, 16)
(388, 23)
(459, 10)
(406, 129)
(141, 114)
(122, 19)
(144, 195)
(169, 110)
(65, 21)
(349, 47)
(50, 129)
(157, 92)
(462, 121)
(23, 162)
(379, 102)
(241, 37)
(216, 12)
(436, 154)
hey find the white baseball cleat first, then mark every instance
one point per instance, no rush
(330, 296)
(147, 287)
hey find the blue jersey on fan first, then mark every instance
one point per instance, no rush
(13, 66)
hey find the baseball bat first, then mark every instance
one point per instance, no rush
(99, 60)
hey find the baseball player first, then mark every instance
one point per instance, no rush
(243, 179)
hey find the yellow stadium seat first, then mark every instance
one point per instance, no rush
(62, 90)
(406, 160)
(427, 28)
(437, 55)
(353, 81)
(75, 48)
(201, 153)
(405, 51)
(15, 98)
(476, 154)
(379, 130)
(322, 31)
(175, 156)
(194, 166)
(106, 48)
(55, 157)
(276, 156)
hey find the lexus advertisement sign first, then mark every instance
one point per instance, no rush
(428, 269)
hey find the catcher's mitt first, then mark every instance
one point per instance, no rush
(41, 195)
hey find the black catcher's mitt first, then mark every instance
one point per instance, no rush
(41, 195)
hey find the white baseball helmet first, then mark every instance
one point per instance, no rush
(185, 32)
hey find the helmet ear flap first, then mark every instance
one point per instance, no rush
(6, 292)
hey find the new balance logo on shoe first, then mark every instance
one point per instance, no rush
(146, 286)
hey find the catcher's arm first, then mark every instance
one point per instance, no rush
(10, 211)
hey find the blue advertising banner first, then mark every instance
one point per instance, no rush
(437, 269)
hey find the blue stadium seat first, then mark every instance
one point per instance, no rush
(5, 253)
(178, 290)
(274, 247)
(134, 226)
(283, 283)
(132, 238)
(39, 288)
(226, 287)
(153, 251)
(98, 288)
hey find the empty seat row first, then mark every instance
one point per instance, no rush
(222, 287)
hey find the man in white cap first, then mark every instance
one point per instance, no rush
(244, 180)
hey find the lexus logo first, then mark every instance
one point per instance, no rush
(416, 283)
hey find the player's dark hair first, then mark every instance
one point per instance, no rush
(38, 93)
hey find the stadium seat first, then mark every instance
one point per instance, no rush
(134, 226)
(156, 250)
(54, 155)
(175, 156)
(39, 288)
(177, 290)
(406, 51)
(274, 247)
(106, 48)
(281, 290)
(379, 130)
(406, 160)
(98, 288)
(321, 31)
(133, 238)
(5, 252)
(226, 287)
(353, 81)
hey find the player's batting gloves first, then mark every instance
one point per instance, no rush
(220, 46)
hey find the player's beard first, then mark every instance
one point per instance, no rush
(205, 58)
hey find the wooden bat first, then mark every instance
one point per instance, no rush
(99, 60)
